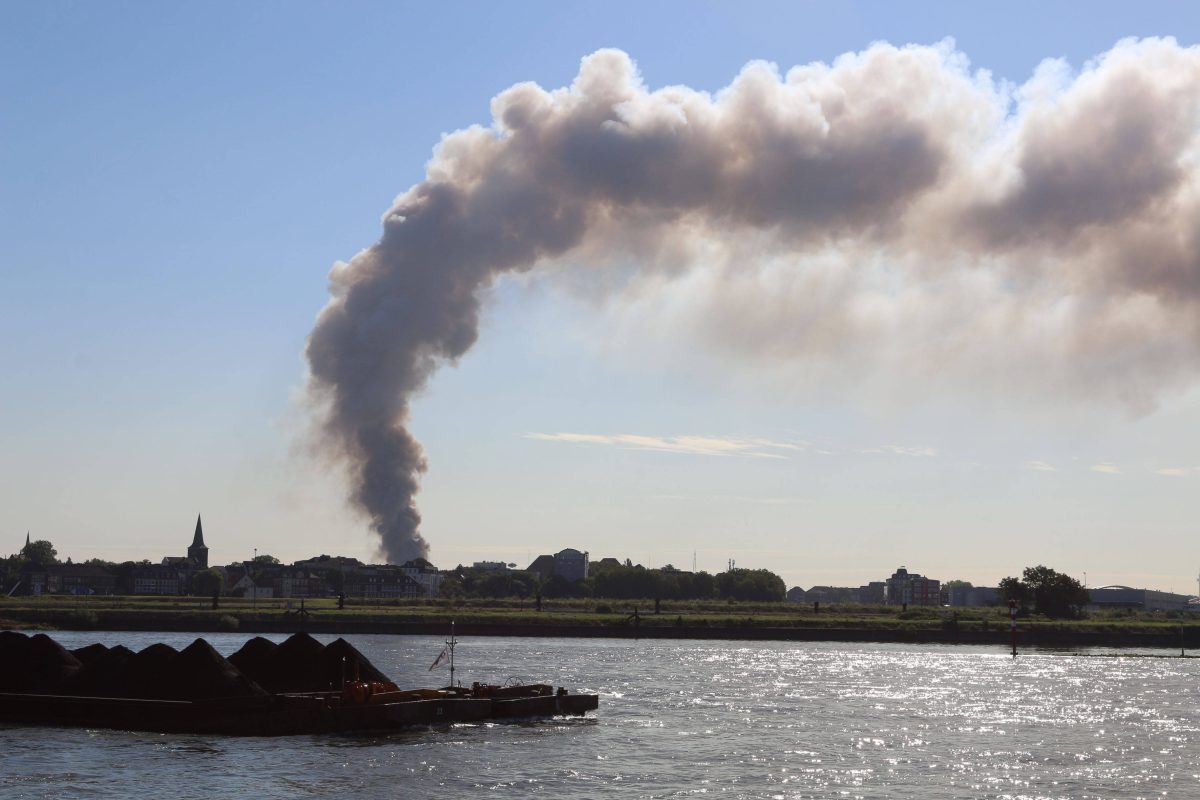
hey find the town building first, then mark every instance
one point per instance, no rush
(426, 575)
(874, 593)
(82, 579)
(294, 582)
(832, 594)
(382, 581)
(569, 563)
(264, 580)
(331, 569)
(968, 595)
(911, 589)
(542, 566)
(72, 579)
(173, 575)
(324, 563)
(1139, 599)
(32, 581)
(249, 579)
(158, 579)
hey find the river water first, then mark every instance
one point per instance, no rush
(690, 718)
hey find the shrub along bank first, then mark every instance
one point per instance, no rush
(578, 617)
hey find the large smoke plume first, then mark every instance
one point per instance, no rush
(893, 209)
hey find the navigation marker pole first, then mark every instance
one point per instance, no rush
(1012, 615)
(450, 644)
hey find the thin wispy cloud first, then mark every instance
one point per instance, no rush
(766, 501)
(1173, 472)
(1040, 466)
(586, 438)
(897, 450)
(769, 501)
(1106, 468)
(747, 446)
(755, 447)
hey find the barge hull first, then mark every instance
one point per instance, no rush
(280, 715)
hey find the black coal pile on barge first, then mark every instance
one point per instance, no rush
(299, 686)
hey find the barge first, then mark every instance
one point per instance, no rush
(297, 687)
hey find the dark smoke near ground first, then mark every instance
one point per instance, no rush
(893, 212)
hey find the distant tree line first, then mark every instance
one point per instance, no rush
(619, 582)
(1039, 588)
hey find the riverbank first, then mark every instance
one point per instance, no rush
(715, 621)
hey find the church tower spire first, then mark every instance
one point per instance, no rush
(198, 553)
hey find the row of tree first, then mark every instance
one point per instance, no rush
(620, 582)
(1040, 588)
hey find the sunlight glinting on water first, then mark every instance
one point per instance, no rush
(684, 719)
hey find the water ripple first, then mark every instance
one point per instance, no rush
(689, 719)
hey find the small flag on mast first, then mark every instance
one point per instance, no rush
(442, 658)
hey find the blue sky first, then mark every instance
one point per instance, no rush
(176, 181)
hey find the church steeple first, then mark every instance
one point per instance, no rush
(198, 553)
(198, 541)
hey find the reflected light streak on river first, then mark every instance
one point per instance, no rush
(691, 718)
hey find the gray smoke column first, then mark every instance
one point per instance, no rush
(894, 207)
